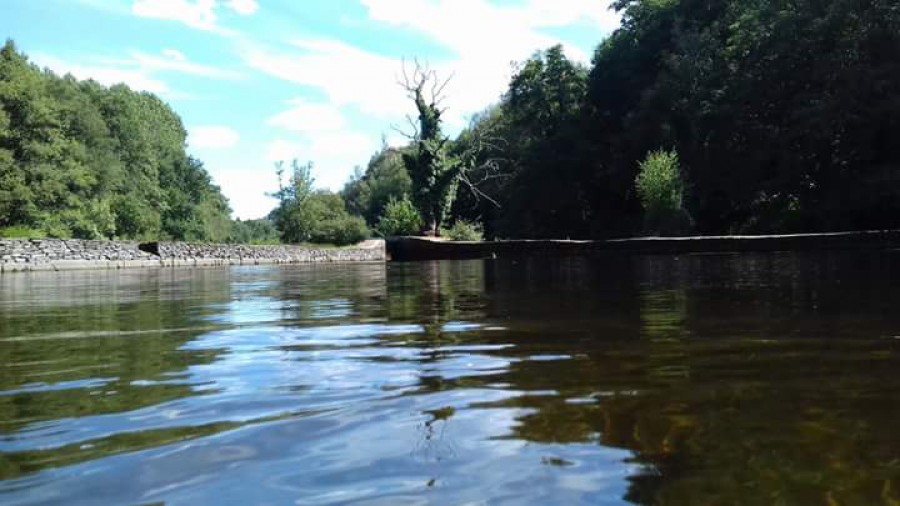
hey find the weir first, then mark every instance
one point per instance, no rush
(421, 248)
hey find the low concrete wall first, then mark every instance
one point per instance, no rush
(18, 255)
(420, 248)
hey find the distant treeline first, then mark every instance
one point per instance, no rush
(78, 159)
(779, 116)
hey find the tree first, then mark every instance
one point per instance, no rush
(306, 215)
(433, 171)
(526, 156)
(384, 179)
(292, 217)
(331, 223)
(78, 159)
(783, 111)
(261, 231)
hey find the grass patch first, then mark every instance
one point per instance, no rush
(21, 232)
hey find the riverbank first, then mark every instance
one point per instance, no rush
(23, 255)
(18, 255)
(422, 248)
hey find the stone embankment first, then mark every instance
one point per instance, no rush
(58, 254)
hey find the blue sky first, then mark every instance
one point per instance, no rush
(257, 81)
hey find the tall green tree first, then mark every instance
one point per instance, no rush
(526, 156)
(291, 217)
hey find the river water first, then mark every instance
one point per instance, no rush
(691, 380)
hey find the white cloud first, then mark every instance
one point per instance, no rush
(565, 12)
(334, 154)
(174, 55)
(320, 135)
(212, 137)
(247, 190)
(172, 60)
(283, 150)
(306, 116)
(244, 7)
(137, 79)
(472, 27)
(346, 74)
(485, 38)
(199, 14)
(139, 70)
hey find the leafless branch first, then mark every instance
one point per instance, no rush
(403, 133)
(415, 80)
(476, 191)
(437, 88)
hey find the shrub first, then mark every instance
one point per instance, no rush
(660, 189)
(260, 231)
(340, 231)
(399, 218)
(463, 230)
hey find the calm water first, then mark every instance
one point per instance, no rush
(754, 379)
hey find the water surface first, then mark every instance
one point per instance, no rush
(707, 379)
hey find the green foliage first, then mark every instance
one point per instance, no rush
(81, 160)
(254, 232)
(400, 218)
(384, 179)
(658, 183)
(465, 231)
(784, 112)
(306, 215)
(487, 155)
(773, 106)
(433, 170)
(196, 209)
(20, 232)
(291, 217)
(660, 188)
(526, 156)
(331, 223)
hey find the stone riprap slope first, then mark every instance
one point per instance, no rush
(181, 253)
(53, 254)
(57, 254)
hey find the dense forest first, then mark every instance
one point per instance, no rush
(81, 160)
(695, 116)
(753, 116)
